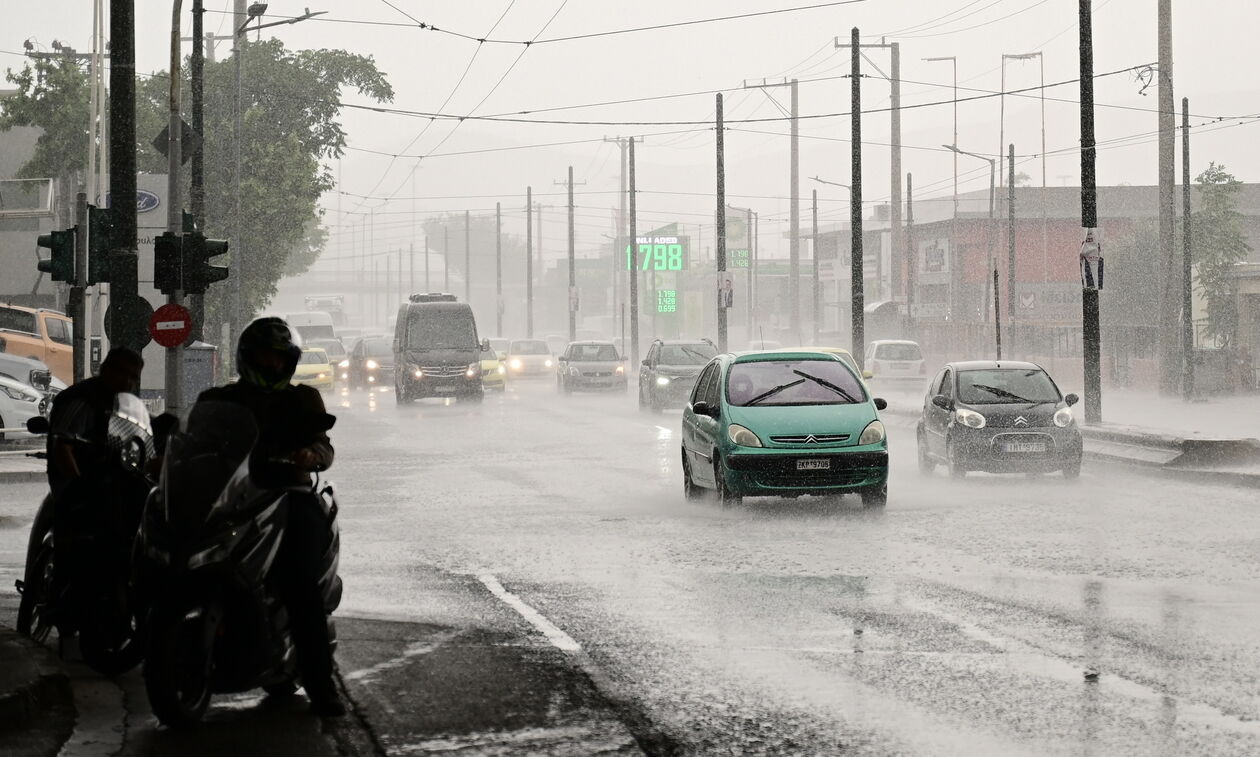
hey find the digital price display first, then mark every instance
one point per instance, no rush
(737, 258)
(667, 300)
(659, 254)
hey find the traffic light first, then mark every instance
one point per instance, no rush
(198, 273)
(168, 254)
(60, 263)
(99, 230)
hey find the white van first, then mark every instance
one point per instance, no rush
(312, 324)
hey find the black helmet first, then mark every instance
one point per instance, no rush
(269, 334)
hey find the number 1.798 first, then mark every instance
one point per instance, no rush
(657, 257)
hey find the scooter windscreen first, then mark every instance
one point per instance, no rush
(201, 462)
(130, 431)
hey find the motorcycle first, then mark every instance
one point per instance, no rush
(93, 551)
(206, 558)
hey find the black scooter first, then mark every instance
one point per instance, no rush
(92, 597)
(205, 563)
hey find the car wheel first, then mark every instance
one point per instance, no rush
(1072, 470)
(690, 489)
(956, 467)
(875, 496)
(400, 396)
(642, 402)
(725, 496)
(926, 465)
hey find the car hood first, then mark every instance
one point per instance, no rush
(679, 370)
(442, 357)
(792, 420)
(312, 369)
(1007, 414)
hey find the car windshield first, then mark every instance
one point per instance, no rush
(530, 347)
(499, 345)
(898, 352)
(452, 330)
(593, 352)
(331, 346)
(314, 357)
(792, 382)
(377, 347)
(686, 354)
(998, 385)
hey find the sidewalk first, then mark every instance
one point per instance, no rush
(1225, 417)
(36, 701)
(20, 468)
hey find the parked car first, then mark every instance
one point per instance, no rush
(315, 369)
(783, 423)
(1000, 417)
(371, 363)
(591, 365)
(18, 404)
(669, 371)
(897, 360)
(39, 334)
(530, 357)
(493, 368)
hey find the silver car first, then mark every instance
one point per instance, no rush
(591, 365)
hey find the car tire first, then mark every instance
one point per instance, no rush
(400, 396)
(1072, 470)
(956, 467)
(725, 497)
(642, 402)
(875, 497)
(927, 466)
(691, 490)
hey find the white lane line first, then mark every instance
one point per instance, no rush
(100, 718)
(412, 650)
(559, 639)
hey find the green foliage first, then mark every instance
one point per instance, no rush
(1218, 245)
(53, 94)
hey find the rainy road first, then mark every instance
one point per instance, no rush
(967, 618)
(524, 576)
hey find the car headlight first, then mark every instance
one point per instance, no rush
(372, 365)
(473, 370)
(742, 436)
(547, 364)
(516, 363)
(321, 375)
(573, 371)
(969, 418)
(502, 370)
(344, 364)
(620, 370)
(872, 434)
(1063, 418)
(662, 381)
(417, 373)
(345, 375)
(21, 395)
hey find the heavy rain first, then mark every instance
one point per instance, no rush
(718, 378)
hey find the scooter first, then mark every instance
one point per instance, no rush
(93, 596)
(205, 562)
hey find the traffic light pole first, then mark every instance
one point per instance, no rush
(174, 395)
(124, 262)
(77, 291)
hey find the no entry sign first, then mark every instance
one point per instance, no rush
(170, 325)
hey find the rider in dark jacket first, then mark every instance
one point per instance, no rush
(292, 426)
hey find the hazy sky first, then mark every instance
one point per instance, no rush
(1214, 67)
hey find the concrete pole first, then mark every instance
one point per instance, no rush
(1169, 359)
(529, 262)
(794, 246)
(634, 269)
(721, 222)
(174, 389)
(858, 300)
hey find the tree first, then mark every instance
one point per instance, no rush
(1218, 246)
(291, 102)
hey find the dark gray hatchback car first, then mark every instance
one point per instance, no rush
(998, 417)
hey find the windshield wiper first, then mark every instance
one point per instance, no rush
(772, 392)
(1001, 393)
(690, 351)
(828, 384)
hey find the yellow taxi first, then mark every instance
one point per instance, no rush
(493, 370)
(315, 369)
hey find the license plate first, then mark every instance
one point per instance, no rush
(444, 390)
(1025, 447)
(813, 464)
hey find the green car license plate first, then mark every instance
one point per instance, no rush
(813, 464)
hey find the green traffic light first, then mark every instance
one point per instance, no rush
(60, 262)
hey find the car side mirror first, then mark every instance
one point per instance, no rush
(1071, 399)
(704, 408)
(38, 425)
(943, 402)
(868, 374)
(647, 364)
(485, 345)
(881, 403)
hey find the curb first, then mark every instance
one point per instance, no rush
(42, 684)
(22, 477)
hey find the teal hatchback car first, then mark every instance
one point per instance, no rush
(783, 424)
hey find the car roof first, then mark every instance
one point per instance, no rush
(792, 354)
(894, 341)
(979, 365)
(684, 341)
(607, 342)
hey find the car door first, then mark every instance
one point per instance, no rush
(645, 370)
(58, 343)
(940, 417)
(707, 427)
(690, 426)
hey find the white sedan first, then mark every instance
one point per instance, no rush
(18, 403)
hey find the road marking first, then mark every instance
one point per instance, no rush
(100, 719)
(413, 650)
(558, 638)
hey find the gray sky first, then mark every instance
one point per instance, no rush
(676, 166)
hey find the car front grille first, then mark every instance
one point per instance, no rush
(811, 439)
(843, 477)
(443, 371)
(596, 374)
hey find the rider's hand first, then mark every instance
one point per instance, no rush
(304, 458)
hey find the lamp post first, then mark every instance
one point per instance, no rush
(953, 225)
(1045, 234)
(816, 283)
(997, 326)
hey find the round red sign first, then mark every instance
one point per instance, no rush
(170, 325)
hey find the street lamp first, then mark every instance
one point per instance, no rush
(1045, 243)
(989, 236)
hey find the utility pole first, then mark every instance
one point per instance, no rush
(894, 80)
(1169, 360)
(240, 39)
(467, 259)
(623, 143)
(498, 268)
(912, 257)
(529, 262)
(1187, 305)
(752, 268)
(794, 207)
(634, 269)
(446, 258)
(196, 190)
(427, 286)
(721, 225)
(1090, 336)
(573, 292)
(78, 289)
(174, 387)
(124, 261)
(858, 301)
(816, 292)
(1010, 238)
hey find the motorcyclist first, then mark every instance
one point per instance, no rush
(77, 455)
(292, 425)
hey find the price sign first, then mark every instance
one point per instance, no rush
(667, 300)
(658, 254)
(737, 258)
